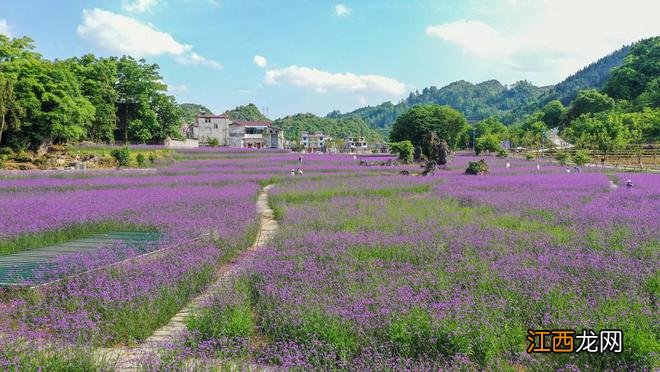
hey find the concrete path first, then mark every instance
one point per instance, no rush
(172, 332)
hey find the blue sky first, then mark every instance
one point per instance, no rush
(315, 56)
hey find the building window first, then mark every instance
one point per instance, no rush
(207, 120)
(215, 126)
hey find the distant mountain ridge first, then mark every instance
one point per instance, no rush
(490, 98)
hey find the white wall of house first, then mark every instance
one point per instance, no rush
(212, 126)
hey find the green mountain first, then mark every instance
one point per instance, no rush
(191, 110)
(339, 128)
(490, 98)
(249, 112)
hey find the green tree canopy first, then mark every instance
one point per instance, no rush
(421, 120)
(249, 112)
(590, 101)
(553, 113)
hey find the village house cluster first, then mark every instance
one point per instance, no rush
(236, 133)
(221, 130)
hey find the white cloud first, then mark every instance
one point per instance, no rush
(4, 28)
(139, 6)
(125, 35)
(260, 61)
(342, 10)
(554, 42)
(322, 81)
(174, 89)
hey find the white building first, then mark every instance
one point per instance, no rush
(314, 142)
(255, 135)
(212, 126)
(356, 144)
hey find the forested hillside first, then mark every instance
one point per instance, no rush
(491, 98)
(249, 112)
(339, 128)
(191, 110)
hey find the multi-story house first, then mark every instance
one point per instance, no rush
(356, 144)
(314, 142)
(255, 135)
(212, 126)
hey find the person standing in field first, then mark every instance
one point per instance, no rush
(293, 172)
(629, 184)
(300, 160)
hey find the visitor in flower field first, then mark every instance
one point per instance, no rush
(299, 171)
(629, 184)
(577, 169)
(293, 172)
(300, 160)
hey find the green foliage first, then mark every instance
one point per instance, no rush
(477, 168)
(295, 125)
(141, 160)
(122, 156)
(639, 74)
(231, 319)
(191, 110)
(422, 120)
(563, 157)
(581, 158)
(488, 142)
(415, 335)
(404, 150)
(606, 130)
(590, 102)
(553, 113)
(214, 142)
(249, 112)
(491, 98)
(86, 98)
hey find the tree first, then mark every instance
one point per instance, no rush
(249, 112)
(422, 120)
(640, 68)
(97, 79)
(10, 111)
(488, 142)
(553, 113)
(404, 150)
(169, 116)
(607, 131)
(138, 85)
(590, 102)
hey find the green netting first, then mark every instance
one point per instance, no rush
(24, 268)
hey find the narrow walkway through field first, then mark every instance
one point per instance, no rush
(173, 331)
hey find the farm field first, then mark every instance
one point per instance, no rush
(370, 270)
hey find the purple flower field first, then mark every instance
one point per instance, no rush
(371, 270)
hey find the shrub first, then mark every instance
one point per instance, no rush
(581, 158)
(529, 156)
(122, 156)
(489, 143)
(214, 142)
(152, 157)
(404, 149)
(502, 153)
(141, 160)
(477, 167)
(563, 157)
(6, 151)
